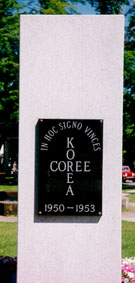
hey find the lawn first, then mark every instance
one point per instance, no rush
(8, 231)
(8, 188)
(128, 239)
(8, 239)
(8, 234)
(126, 186)
(131, 197)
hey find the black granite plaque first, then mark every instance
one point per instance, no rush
(69, 171)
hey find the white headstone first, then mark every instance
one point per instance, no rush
(71, 67)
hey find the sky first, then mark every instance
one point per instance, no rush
(86, 9)
(82, 9)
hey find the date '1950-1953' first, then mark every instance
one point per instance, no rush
(85, 208)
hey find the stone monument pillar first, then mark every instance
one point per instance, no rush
(71, 85)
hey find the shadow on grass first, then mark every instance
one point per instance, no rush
(128, 186)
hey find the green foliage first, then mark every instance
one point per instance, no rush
(108, 6)
(129, 90)
(129, 106)
(63, 7)
(9, 59)
(113, 7)
(52, 7)
(9, 56)
(130, 31)
(128, 239)
(9, 67)
(8, 239)
(129, 72)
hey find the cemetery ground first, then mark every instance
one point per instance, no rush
(8, 230)
(8, 188)
(8, 239)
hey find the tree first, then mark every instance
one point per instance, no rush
(127, 7)
(108, 6)
(129, 92)
(9, 67)
(130, 30)
(9, 58)
(59, 6)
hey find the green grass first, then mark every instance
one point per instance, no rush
(8, 231)
(128, 187)
(131, 197)
(8, 188)
(8, 239)
(128, 239)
